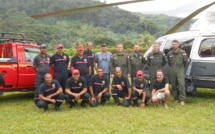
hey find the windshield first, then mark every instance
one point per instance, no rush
(30, 53)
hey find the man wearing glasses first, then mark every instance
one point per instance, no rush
(82, 63)
(59, 62)
(103, 60)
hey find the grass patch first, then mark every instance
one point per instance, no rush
(19, 115)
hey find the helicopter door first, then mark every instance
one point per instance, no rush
(203, 68)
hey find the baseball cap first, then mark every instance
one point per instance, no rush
(43, 45)
(59, 46)
(139, 72)
(75, 71)
(80, 47)
(104, 44)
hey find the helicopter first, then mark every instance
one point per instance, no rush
(198, 42)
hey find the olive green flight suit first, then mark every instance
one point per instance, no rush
(155, 61)
(136, 63)
(121, 61)
(177, 62)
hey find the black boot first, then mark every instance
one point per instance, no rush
(117, 101)
(71, 104)
(102, 102)
(135, 103)
(57, 106)
(46, 108)
(83, 103)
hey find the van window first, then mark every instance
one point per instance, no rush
(207, 48)
(30, 53)
(184, 44)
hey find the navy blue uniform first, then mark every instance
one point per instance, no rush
(116, 93)
(90, 56)
(98, 86)
(82, 65)
(76, 88)
(47, 90)
(143, 85)
(60, 68)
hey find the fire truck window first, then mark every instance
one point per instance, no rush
(184, 44)
(207, 48)
(30, 53)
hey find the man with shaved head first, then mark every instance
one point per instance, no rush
(121, 88)
(50, 92)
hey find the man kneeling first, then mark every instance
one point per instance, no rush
(140, 88)
(121, 88)
(160, 90)
(99, 85)
(76, 88)
(50, 92)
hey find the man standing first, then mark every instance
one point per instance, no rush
(76, 88)
(160, 89)
(177, 60)
(103, 60)
(50, 92)
(99, 85)
(82, 63)
(137, 61)
(59, 63)
(90, 55)
(155, 60)
(121, 88)
(120, 59)
(140, 88)
(41, 65)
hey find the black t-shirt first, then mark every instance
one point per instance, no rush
(123, 81)
(99, 84)
(76, 87)
(140, 84)
(159, 85)
(81, 64)
(47, 90)
(60, 62)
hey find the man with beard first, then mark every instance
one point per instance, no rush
(177, 60)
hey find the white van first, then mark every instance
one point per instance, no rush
(200, 48)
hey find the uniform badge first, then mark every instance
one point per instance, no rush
(184, 54)
(122, 83)
(53, 85)
(64, 57)
(140, 57)
(103, 82)
(48, 59)
(141, 85)
(151, 57)
(163, 54)
(171, 56)
(85, 60)
(80, 84)
(92, 54)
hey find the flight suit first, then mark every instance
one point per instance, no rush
(177, 62)
(155, 61)
(136, 63)
(121, 61)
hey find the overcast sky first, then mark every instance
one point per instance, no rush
(179, 8)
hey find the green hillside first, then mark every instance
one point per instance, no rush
(110, 25)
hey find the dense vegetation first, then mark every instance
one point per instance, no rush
(110, 25)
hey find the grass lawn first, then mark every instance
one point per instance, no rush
(18, 115)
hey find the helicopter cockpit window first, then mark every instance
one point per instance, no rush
(184, 44)
(207, 48)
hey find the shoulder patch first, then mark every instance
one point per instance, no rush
(184, 54)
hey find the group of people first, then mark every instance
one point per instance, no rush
(84, 84)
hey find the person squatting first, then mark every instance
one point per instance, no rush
(94, 88)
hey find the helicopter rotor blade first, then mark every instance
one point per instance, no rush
(85, 8)
(182, 22)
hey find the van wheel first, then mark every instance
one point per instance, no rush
(191, 90)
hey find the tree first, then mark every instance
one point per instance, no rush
(127, 44)
(145, 40)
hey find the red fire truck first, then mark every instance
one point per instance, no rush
(16, 63)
